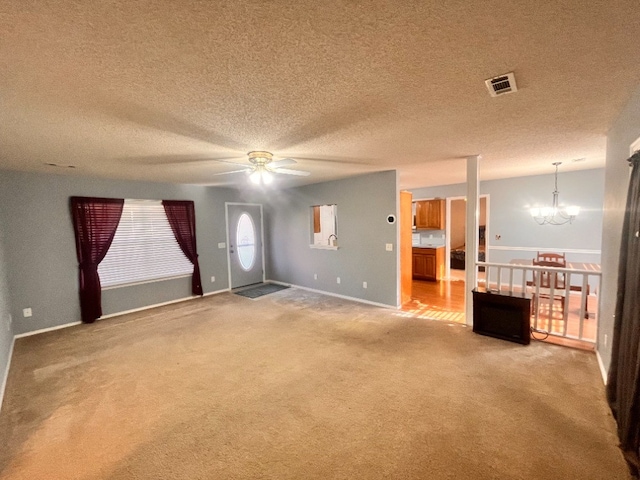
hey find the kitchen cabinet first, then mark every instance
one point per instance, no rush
(428, 263)
(430, 214)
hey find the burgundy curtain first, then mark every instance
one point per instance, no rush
(623, 383)
(182, 218)
(94, 223)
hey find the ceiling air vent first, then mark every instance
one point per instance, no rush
(502, 84)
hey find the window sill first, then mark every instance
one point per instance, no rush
(142, 282)
(324, 247)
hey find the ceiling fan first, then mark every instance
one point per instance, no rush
(263, 168)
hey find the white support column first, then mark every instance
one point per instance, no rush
(471, 235)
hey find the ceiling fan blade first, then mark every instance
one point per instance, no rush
(244, 170)
(286, 171)
(282, 163)
(217, 160)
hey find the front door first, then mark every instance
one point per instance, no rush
(244, 232)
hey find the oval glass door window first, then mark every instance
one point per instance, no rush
(246, 241)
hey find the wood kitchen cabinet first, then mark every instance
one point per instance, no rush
(428, 263)
(430, 214)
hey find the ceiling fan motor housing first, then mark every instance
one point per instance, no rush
(260, 157)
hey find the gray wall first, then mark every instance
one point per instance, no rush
(6, 328)
(41, 260)
(625, 130)
(363, 205)
(520, 236)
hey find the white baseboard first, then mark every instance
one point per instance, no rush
(331, 294)
(147, 307)
(217, 292)
(3, 385)
(603, 371)
(49, 329)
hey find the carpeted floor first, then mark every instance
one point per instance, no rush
(299, 386)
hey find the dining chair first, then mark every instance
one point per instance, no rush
(552, 257)
(546, 279)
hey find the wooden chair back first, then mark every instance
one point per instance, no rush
(552, 257)
(546, 277)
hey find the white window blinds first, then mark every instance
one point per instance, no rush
(144, 247)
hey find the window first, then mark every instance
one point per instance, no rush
(144, 247)
(246, 238)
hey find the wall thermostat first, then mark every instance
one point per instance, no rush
(391, 219)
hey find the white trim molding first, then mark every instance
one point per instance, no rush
(147, 307)
(544, 249)
(331, 294)
(49, 329)
(603, 371)
(3, 385)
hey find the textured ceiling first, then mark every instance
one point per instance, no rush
(150, 89)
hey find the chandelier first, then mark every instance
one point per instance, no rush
(555, 215)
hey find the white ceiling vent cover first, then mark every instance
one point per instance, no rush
(501, 84)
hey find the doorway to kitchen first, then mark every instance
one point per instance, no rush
(441, 249)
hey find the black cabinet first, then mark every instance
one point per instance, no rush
(502, 315)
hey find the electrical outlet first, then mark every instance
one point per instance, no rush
(338, 280)
(315, 276)
(222, 245)
(364, 284)
(213, 279)
(498, 237)
(26, 312)
(389, 247)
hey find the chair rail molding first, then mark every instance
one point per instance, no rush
(545, 249)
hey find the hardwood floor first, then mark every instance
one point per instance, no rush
(444, 301)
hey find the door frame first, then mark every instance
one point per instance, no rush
(447, 270)
(226, 215)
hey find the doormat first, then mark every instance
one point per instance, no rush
(260, 290)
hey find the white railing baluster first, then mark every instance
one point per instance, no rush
(536, 307)
(553, 272)
(583, 302)
(511, 279)
(565, 306)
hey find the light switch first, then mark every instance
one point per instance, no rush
(389, 247)
(222, 245)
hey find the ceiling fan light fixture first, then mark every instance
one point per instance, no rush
(255, 177)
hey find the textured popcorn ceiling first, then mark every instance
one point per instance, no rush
(150, 89)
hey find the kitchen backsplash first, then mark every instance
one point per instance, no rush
(429, 237)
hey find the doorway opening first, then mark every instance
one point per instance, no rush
(443, 298)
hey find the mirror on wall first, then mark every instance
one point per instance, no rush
(324, 225)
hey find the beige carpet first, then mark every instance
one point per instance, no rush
(296, 385)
